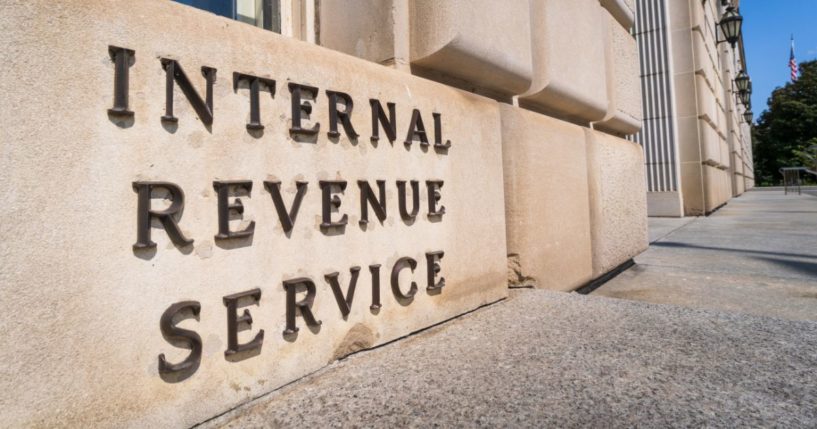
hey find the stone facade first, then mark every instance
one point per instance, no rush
(248, 179)
(697, 144)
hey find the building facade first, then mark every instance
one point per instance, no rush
(199, 210)
(696, 138)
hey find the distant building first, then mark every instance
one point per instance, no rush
(696, 139)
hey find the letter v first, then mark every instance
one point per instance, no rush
(344, 303)
(287, 218)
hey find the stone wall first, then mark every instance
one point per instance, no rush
(701, 134)
(82, 331)
(529, 190)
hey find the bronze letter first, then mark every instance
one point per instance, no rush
(222, 188)
(121, 58)
(434, 197)
(405, 262)
(389, 124)
(303, 306)
(415, 199)
(375, 271)
(144, 214)
(432, 259)
(343, 115)
(233, 321)
(174, 72)
(416, 129)
(438, 134)
(330, 201)
(287, 219)
(181, 338)
(255, 102)
(344, 303)
(301, 109)
(366, 194)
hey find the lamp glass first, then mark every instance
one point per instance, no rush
(731, 25)
(742, 81)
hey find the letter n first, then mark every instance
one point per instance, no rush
(175, 73)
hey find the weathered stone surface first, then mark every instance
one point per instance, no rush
(546, 209)
(363, 28)
(81, 326)
(624, 110)
(622, 10)
(484, 43)
(665, 204)
(618, 206)
(566, 84)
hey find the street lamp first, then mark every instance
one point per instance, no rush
(731, 24)
(748, 116)
(745, 96)
(742, 81)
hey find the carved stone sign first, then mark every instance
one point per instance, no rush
(168, 218)
(210, 211)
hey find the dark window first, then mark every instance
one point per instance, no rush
(260, 13)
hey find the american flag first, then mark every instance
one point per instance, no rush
(793, 62)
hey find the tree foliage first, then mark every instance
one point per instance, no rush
(808, 156)
(786, 133)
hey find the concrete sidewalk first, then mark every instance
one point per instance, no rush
(541, 359)
(548, 359)
(756, 255)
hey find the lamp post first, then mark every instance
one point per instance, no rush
(731, 25)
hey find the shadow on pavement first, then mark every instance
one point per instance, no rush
(672, 244)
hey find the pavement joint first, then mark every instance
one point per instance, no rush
(674, 230)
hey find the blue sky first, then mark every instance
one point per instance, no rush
(767, 29)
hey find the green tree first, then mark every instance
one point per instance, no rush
(809, 156)
(786, 133)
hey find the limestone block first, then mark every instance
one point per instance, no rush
(686, 94)
(679, 14)
(689, 144)
(716, 187)
(363, 28)
(692, 184)
(484, 43)
(681, 52)
(622, 10)
(664, 204)
(548, 216)
(725, 159)
(618, 200)
(740, 186)
(707, 103)
(737, 173)
(710, 144)
(81, 327)
(569, 69)
(624, 109)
